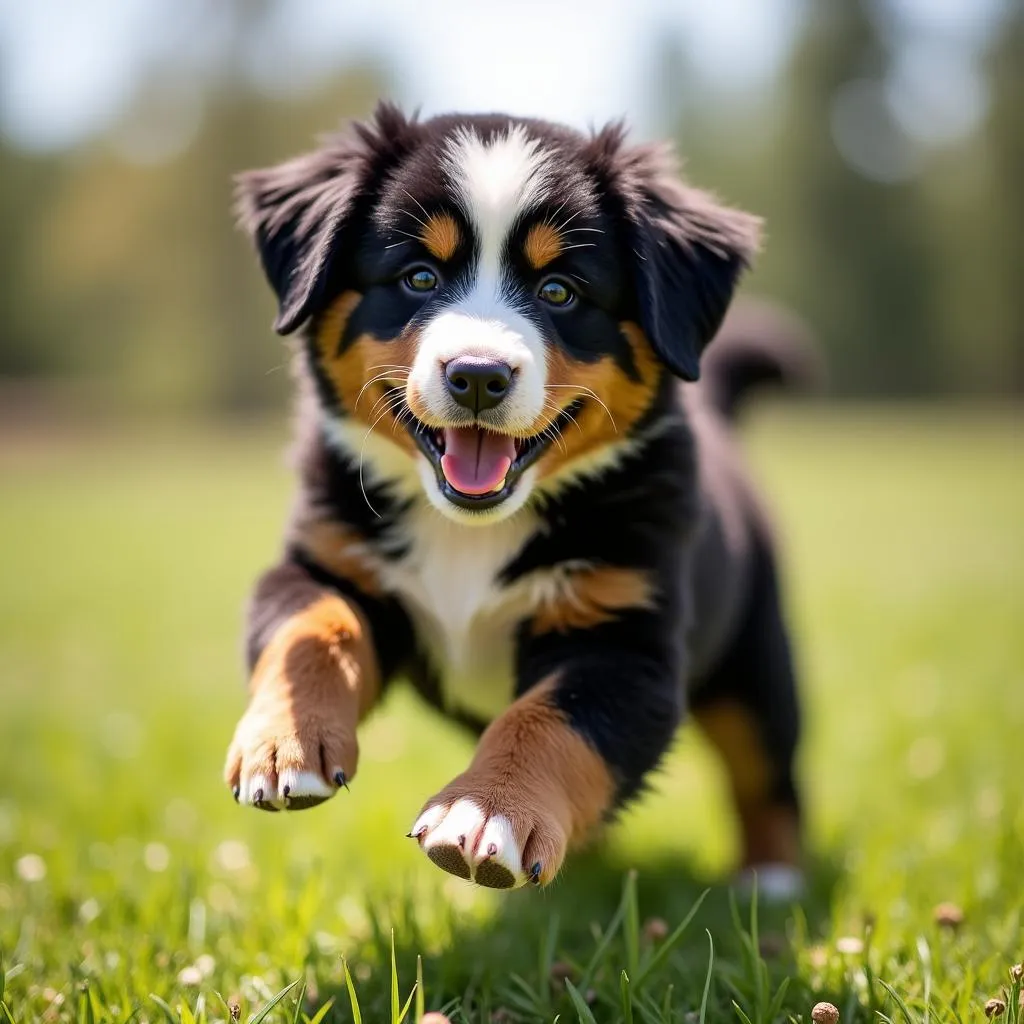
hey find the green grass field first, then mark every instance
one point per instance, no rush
(132, 886)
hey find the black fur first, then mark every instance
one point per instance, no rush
(677, 506)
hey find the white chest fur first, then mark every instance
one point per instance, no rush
(464, 618)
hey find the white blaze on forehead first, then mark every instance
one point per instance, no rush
(496, 181)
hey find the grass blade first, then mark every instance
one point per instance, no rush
(602, 946)
(171, 1016)
(925, 953)
(707, 978)
(394, 982)
(265, 1012)
(582, 1010)
(357, 1017)
(420, 997)
(408, 1003)
(298, 1004)
(627, 999)
(899, 1001)
(322, 1012)
(776, 1004)
(632, 923)
(667, 946)
(739, 1012)
(666, 1007)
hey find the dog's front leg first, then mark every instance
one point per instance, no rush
(553, 766)
(315, 674)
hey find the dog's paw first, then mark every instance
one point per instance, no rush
(289, 759)
(497, 838)
(775, 883)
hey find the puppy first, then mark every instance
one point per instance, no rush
(505, 493)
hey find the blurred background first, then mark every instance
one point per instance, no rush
(142, 417)
(882, 140)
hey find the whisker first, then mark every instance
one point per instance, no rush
(592, 394)
(568, 220)
(422, 223)
(387, 402)
(399, 231)
(371, 381)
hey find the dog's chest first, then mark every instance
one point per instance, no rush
(464, 618)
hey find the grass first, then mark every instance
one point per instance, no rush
(132, 887)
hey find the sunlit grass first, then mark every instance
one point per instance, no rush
(126, 872)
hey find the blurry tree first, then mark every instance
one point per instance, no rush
(29, 331)
(1005, 139)
(122, 265)
(886, 247)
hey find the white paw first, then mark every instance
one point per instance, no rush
(299, 789)
(293, 789)
(776, 883)
(465, 841)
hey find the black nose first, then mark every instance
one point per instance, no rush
(477, 384)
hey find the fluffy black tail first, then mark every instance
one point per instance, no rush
(759, 343)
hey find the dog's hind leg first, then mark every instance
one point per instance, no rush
(747, 707)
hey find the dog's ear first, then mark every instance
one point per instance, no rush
(690, 254)
(298, 212)
(687, 250)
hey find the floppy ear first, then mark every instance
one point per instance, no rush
(691, 252)
(298, 212)
(688, 252)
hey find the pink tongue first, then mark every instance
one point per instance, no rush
(475, 461)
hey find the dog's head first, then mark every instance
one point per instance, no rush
(492, 303)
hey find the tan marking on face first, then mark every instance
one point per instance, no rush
(364, 358)
(543, 244)
(340, 550)
(625, 399)
(588, 596)
(534, 769)
(770, 832)
(311, 686)
(442, 236)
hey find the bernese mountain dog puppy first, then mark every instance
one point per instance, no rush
(505, 493)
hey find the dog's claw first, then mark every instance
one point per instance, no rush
(535, 874)
(340, 780)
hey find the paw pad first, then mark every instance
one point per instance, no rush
(466, 841)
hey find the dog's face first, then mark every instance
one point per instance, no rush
(492, 304)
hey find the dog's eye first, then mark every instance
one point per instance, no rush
(555, 292)
(421, 279)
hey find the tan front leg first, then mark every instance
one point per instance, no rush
(535, 787)
(313, 683)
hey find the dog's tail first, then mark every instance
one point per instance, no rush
(759, 343)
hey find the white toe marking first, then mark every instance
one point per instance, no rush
(464, 819)
(498, 833)
(254, 784)
(776, 883)
(427, 820)
(300, 783)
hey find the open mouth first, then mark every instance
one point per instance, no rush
(477, 468)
